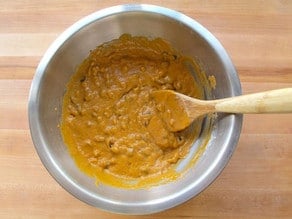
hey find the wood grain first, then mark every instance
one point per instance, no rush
(257, 182)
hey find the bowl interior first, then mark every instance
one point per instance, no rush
(61, 61)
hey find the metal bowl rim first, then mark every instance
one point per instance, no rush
(67, 183)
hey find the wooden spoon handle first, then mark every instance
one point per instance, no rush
(274, 101)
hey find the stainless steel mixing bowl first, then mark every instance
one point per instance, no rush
(68, 51)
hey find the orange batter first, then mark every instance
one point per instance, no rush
(111, 124)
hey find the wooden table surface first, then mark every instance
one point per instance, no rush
(257, 182)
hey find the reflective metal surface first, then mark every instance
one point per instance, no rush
(61, 60)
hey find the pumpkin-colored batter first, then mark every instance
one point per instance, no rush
(111, 124)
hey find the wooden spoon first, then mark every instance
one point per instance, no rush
(179, 110)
